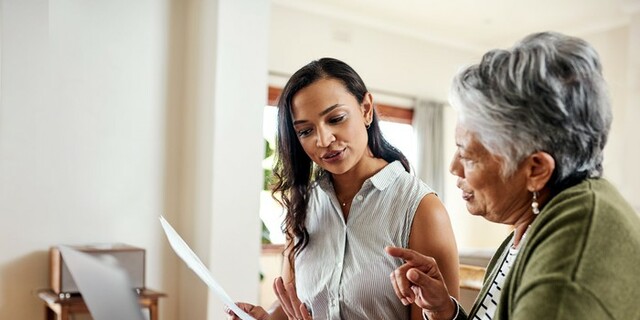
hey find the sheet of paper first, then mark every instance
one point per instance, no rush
(193, 262)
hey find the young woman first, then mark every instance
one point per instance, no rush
(347, 194)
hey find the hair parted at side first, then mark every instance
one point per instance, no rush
(294, 171)
(546, 94)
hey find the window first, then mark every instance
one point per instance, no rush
(271, 212)
(401, 136)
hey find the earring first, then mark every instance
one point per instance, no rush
(534, 203)
(367, 125)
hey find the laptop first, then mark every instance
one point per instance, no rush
(105, 288)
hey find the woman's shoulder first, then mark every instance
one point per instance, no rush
(591, 196)
(408, 185)
(586, 233)
(590, 219)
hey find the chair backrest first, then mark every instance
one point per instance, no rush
(470, 284)
(471, 277)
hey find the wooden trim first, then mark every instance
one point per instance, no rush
(270, 248)
(394, 114)
(273, 96)
(471, 277)
(386, 112)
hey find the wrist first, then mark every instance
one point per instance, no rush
(449, 312)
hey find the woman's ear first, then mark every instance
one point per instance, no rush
(367, 108)
(540, 169)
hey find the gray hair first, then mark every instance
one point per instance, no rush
(546, 94)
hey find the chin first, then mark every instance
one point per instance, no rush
(474, 211)
(336, 172)
(336, 169)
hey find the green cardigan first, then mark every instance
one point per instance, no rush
(581, 260)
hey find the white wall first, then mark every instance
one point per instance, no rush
(632, 111)
(384, 60)
(82, 137)
(225, 91)
(115, 112)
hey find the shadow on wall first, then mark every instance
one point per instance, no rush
(187, 295)
(19, 281)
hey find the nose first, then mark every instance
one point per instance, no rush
(324, 137)
(455, 167)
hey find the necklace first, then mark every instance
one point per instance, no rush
(344, 203)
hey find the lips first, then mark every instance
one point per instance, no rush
(466, 195)
(332, 155)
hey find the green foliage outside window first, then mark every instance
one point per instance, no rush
(268, 179)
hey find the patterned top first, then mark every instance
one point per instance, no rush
(489, 303)
(343, 273)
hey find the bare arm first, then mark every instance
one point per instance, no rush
(432, 235)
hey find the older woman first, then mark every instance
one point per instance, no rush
(532, 123)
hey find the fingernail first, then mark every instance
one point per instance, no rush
(415, 289)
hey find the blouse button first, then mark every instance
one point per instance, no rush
(359, 197)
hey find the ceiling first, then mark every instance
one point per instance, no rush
(475, 25)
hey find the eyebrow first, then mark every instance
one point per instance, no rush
(462, 147)
(324, 112)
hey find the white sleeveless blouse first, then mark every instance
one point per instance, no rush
(343, 273)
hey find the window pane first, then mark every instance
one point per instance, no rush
(271, 212)
(401, 136)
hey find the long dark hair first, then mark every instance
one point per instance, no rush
(294, 171)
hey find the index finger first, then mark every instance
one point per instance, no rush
(295, 301)
(283, 297)
(408, 255)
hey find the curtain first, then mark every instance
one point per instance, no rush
(428, 130)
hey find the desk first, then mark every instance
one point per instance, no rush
(60, 308)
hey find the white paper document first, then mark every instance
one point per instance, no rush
(194, 263)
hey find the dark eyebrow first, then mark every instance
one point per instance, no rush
(327, 110)
(324, 112)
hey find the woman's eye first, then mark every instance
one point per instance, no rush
(467, 161)
(337, 119)
(303, 133)
(464, 158)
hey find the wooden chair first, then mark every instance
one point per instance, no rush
(471, 277)
(470, 284)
